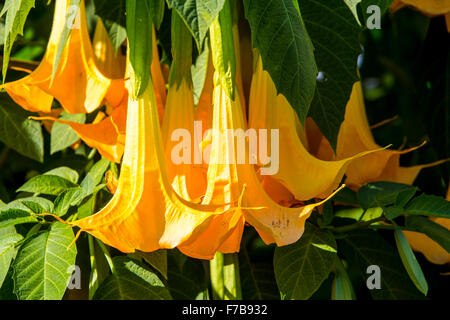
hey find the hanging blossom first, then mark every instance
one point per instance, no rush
(355, 136)
(429, 7)
(78, 84)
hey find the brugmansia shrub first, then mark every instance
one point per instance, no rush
(217, 153)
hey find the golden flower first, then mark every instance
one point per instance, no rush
(304, 175)
(145, 212)
(78, 84)
(237, 184)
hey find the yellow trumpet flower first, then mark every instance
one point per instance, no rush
(187, 178)
(304, 175)
(78, 84)
(429, 7)
(237, 184)
(430, 249)
(145, 212)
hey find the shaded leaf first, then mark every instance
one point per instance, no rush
(429, 205)
(365, 248)
(410, 262)
(300, 268)
(278, 32)
(132, 281)
(432, 229)
(18, 132)
(63, 136)
(380, 194)
(334, 33)
(198, 16)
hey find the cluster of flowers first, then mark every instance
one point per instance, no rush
(200, 209)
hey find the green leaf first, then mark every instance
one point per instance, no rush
(187, 281)
(157, 259)
(16, 16)
(429, 205)
(301, 268)
(65, 173)
(334, 33)
(44, 264)
(432, 229)
(356, 213)
(70, 197)
(365, 248)
(156, 8)
(199, 72)
(30, 204)
(112, 11)
(139, 31)
(20, 133)
(380, 194)
(257, 279)
(132, 281)
(8, 239)
(346, 196)
(12, 217)
(47, 184)
(63, 136)
(71, 14)
(278, 32)
(117, 34)
(95, 175)
(198, 16)
(353, 4)
(410, 262)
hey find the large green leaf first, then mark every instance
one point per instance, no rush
(47, 184)
(435, 231)
(198, 16)
(30, 204)
(16, 16)
(132, 280)
(429, 205)
(334, 32)
(8, 238)
(365, 248)
(70, 197)
(257, 279)
(301, 268)
(44, 264)
(279, 34)
(18, 132)
(63, 135)
(354, 4)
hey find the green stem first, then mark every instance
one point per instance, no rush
(225, 278)
(93, 281)
(107, 257)
(358, 225)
